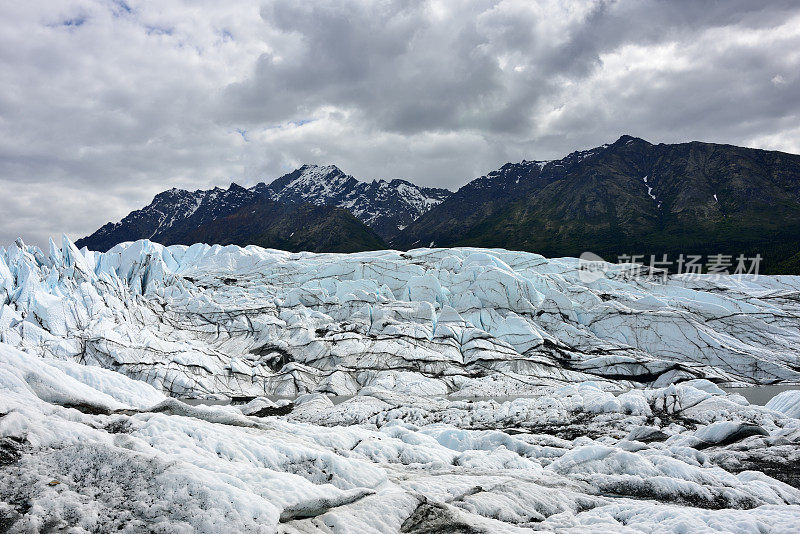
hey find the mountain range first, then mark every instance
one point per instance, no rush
(624, 198)
(628, 197)
(340, 214)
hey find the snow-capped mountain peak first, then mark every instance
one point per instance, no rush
(385, 206)
(316, 184)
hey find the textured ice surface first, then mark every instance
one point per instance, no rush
(90, 450)
(203, 320)
(84, 447)
(787, 402)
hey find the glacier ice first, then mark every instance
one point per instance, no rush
(482, 391)
(97, 451)
(787, 402)
(205, 320)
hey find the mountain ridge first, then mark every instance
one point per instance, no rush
(384, 206)
(173, 215)
(623, 198)
(628, 197)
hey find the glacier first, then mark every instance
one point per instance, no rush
(86, 449)
(459, 390)
(198, 321)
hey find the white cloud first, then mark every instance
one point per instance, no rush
(103, 104)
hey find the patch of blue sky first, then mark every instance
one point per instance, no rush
(74, 22)
(157, 30)
(120, 7)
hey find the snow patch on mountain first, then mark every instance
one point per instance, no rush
(315, 184)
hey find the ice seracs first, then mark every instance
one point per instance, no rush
(787, 402)
(205, 320)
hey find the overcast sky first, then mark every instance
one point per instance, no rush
(103, 104)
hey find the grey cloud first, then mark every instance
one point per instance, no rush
(385, 61)
(96, 118)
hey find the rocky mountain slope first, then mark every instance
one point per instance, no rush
(629, 197)
(291, 227)
(175, 216)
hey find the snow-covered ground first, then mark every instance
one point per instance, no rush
(91, 345)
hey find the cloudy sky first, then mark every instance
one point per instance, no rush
(105, 103)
